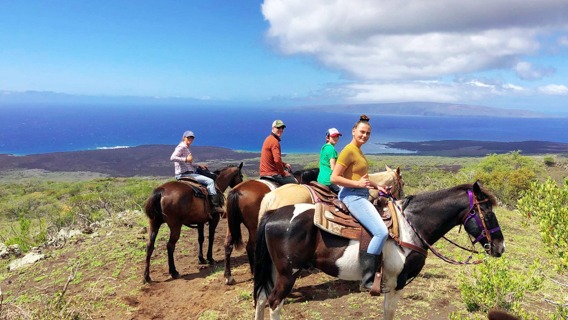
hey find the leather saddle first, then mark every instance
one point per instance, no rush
(271, 179)
(199, 190)
(331, 215)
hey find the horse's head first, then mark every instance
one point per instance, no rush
(398, 187)
(237, 177)
(230, 176)
(391, 178)
(481, 223)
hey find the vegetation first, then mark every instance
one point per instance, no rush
(35, 210)
(96, 274)
(547, 203)
(493, 284)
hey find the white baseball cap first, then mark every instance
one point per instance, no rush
(332, 133)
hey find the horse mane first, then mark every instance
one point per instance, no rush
(299, 172)
(442, 193)
(225, 168)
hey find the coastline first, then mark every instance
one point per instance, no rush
(154, 160)
(474, 148)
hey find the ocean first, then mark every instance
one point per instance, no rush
(44, 129)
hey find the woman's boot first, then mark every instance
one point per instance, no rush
(216, 206)
(372, 273)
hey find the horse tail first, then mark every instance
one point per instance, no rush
(234, 218)
(266, 203)
(153, 207)
(263, 281)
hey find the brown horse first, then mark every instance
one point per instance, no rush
(244, 206)
(288, 241)
(174, 203)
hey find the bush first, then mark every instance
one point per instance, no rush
(548, 204)
(549, 161)
(507, 176)
(38, 206)
(493, 284)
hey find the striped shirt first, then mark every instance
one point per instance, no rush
(178, 157)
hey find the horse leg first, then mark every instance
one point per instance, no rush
(212, 225)
(391, 301)
(251, 245)
(152, 234)
(261, 302)
(229, 280)
(175, 232)
(200, 239)
(282, 287)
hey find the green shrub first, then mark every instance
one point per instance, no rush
(507, 176)
(549, 161)
(493, 284)
(548, 204)
(311, 165)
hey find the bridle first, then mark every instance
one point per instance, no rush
(479, 218)
(473, 202)
(398, 183)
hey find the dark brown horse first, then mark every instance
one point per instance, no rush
(307, 175)
(175, 204)
(288, 241)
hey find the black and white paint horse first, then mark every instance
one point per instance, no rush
(288, 241)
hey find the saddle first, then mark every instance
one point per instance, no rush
(271, 179)
(334, 217)
(199, 190)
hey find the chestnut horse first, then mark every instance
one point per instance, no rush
(244, 206)
(174, 203)
(243, 203)
(288, 241)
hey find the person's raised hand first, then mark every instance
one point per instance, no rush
(365, 182)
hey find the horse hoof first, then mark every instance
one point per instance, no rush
(230, 281)
(202, 261)
(175, 275)
(211, 261)
(147, 280)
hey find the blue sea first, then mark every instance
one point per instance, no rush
(44, 129)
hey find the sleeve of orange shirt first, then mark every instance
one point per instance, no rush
(276, 155)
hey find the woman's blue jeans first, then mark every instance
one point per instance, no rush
(357, 202)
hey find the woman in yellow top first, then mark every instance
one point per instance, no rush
(350, 172)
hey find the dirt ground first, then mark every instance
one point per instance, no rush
(110, 284)
(200, 293)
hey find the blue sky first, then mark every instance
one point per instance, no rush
(506, 53)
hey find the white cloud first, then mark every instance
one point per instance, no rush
(527, 71)
(563, 41)
(413, 39)
(554, 89)
(403, 91)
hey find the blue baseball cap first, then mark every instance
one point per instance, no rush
(188, 134)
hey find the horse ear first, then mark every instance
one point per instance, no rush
(388, 168)
(477, 188)
(398, 171)
(240, 166)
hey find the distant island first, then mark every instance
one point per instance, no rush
(471, 148)
(427, 109)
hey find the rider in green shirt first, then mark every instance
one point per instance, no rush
(328, 157)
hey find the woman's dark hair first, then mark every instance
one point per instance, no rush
(363, 119)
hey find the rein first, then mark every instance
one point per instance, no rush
(481, 222)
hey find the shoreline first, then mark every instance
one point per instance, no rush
(427, 147)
